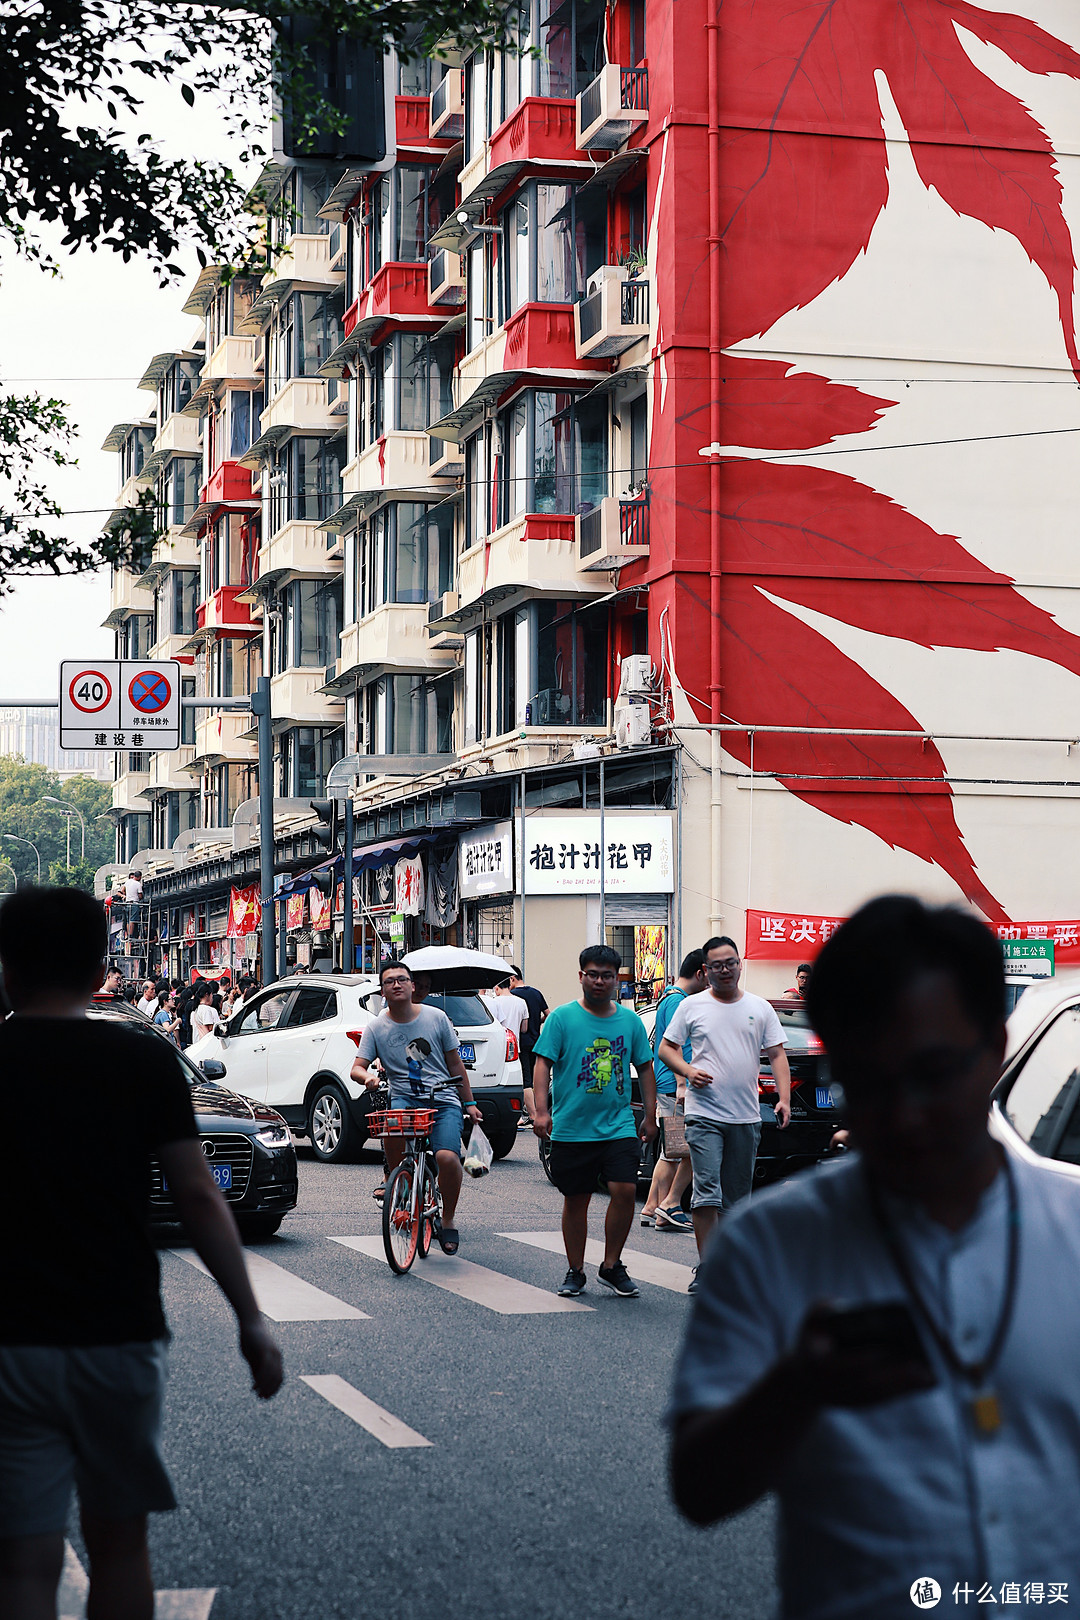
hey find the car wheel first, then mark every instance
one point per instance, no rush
(330, 1127)
(502, 1143)
(257, 1228)
(545, 1157)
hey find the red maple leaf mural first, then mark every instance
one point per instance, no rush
(804, 157)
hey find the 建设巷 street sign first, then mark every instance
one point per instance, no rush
(1028, 958)
(124, 705)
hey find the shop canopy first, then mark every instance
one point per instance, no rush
(364, 860)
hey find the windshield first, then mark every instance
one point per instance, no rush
(793, 1017)
(462, 1011)
(192, 1075)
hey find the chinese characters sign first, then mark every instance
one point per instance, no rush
(128, 704)
(409, 886)
(563, 855)
(486, 861)
(778, 936)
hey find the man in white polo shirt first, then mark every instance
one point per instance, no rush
(728, 1028)
(889, 1342)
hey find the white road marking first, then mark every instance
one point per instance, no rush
(282, 1295)
(192, 1604)
(492, 1289)
(382, 1424)
(649, 1268)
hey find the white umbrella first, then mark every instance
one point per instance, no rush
(453, 967)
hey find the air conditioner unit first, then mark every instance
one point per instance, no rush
(636, 675)
(612, 107)
(613, 533)
(548, 708)
(447, 107)
(443, 631)
(633, 725)
(446, 278)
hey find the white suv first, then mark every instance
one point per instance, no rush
(292, 1046)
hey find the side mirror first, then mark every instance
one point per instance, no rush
(213, 1069)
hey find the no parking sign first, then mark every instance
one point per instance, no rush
(128, 704)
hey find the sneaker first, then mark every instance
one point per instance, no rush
(524, 1123)
(573, 1284)
(618, 1280)
(692, 1288)
(673, 1220)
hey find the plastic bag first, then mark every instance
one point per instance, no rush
(478, 1154)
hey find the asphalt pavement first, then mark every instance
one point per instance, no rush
(466, 1445)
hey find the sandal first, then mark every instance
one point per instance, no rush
(448, 1239)
(377, 1193)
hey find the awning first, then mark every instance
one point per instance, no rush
(364, 860)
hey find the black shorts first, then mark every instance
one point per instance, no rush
(528, 1062)
(576, 1167)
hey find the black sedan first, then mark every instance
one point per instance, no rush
(248, 1147)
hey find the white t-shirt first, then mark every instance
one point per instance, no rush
(132, 891)
(726, 1038)
(148, 1007)
(512, 1013)
(205, 1018)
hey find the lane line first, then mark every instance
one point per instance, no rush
(194, 1603)
(284, 1296)
(387, 1429)
(649, 1268)
(492, 1289)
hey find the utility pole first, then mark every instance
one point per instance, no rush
(260, 707)
(348, 951)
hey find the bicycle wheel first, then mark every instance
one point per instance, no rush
(429, 1209)
(399, 1229)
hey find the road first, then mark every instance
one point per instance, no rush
(540, 1491)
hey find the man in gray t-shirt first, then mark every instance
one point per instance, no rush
(418, 1049)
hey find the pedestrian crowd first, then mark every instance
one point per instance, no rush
(887, 1343)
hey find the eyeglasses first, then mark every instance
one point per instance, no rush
(730, 966)
(599, 978)
(395, 984)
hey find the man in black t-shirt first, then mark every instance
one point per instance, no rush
(530, 1034)
(82, 1332)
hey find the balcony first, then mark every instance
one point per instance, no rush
(298, 548)
(446, 278)
(613, 533)
(395, 636)
(542, 337)
(533, 555)
(302, 403)
(169, 773)
(442, 627)
(229, 485)
(541, 131)
(295, 695)
(220, 739)
(125, 597)
(412, 121)
(447, 115)
(221, 611)
(127, 791)
(233, 361)
(614, 316)
(305, 262)
(612, 107)
(445, 459)
(399, 461)
(179, 435)
(173, 646)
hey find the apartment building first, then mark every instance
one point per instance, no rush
(551, 473)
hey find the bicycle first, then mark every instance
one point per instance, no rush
(411, 1206)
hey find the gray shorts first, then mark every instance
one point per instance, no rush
(87, 1418)
(722, 1158)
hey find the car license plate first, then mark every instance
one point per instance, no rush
(222, 1174)
(468, 1052)
(823, 1096)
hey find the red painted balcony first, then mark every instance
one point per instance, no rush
(412, 115)
(227, 483)
(541, 337)
(221, 611)
(541, 130)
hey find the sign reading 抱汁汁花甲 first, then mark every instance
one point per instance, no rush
(565, 855)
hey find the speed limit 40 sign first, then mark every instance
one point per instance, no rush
(129, 704)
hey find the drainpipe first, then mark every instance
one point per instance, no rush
(713, 29)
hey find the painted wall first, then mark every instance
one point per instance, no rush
(900, 206)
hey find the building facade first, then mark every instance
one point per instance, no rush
(648, 439)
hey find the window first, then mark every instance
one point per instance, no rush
(178, 491)
(477, 487)
(136, 447)
(134, 638)
(571, 665)
(305, 331)
(409, 714)
(552, 456)
(227, 309)
(245, 408)
(1042, 1100)
(304, 192)
(177, 386)
(636, 416)
(261, 1014)
(419, 76)
(312, 624)
(228, 552)
(232, 784)
(308, 756)
(404, 553)
(305, 481)
(311, 1006)
(473, 692)
(555, 277)
(187, 716)
(235, 665)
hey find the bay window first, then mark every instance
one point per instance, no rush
(304, 481)
(176, 597)
(308, 752)
(304, 192)
(403, 553)
(235, 665)
(245, 408)
(548, 453)
(230, 305)
(176, 387)
(305, 330)
(402, 212)
(134, 451)
(409, 714)
(543, 664)
(310, 625)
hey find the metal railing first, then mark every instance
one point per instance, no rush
(590, 532)
(335, 241)
(634, 521)
(634, 303)
(437, 273)
(634, 89)
(438, 99)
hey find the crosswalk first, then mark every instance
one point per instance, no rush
(493, 1289)
(282, 1295)
(647, 1268)
(194, 1603)
(385, 1427)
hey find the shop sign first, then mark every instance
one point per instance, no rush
(294, 910)
(486, 861)
(562, 855)
(780, 936)
(397, 930)
(1028, 958)
(320, 908)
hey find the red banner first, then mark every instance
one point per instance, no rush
(320, 908)
(245, 912)
(777, 936)
(294, 910)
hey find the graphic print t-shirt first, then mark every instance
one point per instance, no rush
(726, 1038)
(413, 1055)
(590, 1061)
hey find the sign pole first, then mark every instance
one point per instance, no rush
(260, 707)
(348, 950)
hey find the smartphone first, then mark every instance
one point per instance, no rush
(888, 1328)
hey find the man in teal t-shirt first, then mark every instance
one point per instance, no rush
(582, 1061)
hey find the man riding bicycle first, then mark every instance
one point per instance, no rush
(418, 1049)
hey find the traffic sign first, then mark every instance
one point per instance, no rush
(120, 705)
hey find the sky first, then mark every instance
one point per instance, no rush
(86, 338)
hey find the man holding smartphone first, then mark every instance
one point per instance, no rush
(889, 1342)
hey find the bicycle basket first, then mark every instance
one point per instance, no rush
(401, 1121)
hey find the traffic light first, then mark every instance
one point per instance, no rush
(325, 832)
(325, 881)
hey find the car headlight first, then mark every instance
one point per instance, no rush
(273, 1136)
